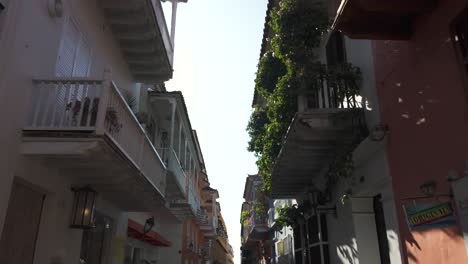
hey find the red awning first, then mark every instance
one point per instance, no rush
(135, 230)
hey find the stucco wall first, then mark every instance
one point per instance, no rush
(29, 47)
(423, 101)
(56, 240)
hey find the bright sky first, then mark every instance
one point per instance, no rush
(217, 46)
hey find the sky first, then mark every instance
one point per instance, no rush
(217, 46)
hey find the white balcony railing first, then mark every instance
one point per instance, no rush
(98, 107)
(171, 161)
(193, 198)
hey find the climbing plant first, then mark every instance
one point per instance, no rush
(289, 65)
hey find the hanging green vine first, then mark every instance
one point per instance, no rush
(289, 68)
(281, 71)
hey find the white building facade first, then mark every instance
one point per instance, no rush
(82, 177)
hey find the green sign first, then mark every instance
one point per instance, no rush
(427, 216)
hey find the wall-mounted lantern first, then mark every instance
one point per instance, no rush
(379, 132)
(149, 223)
(318, 198)
(83, 208)
(428, 188)
(190, 246)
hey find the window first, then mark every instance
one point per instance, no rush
(460, 38)
(315, 250)
(318, 239)
(336, 52)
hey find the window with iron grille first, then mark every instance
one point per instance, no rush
(315, 239)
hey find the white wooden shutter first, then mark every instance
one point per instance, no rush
(68, 50)
(81, 66)
(82, 59)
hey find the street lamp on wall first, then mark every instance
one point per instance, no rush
(149, 223)
(379, 132)
(317, 198)
(190, 246)
(83, 208)
(428, 188)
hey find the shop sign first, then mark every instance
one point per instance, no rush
(460, 193)
(428, 216)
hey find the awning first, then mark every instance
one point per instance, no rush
(135, 230)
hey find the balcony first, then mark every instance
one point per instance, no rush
(380, 19)
(176, 178)
(85, 129)
(328, 119)
(257, 228)
(206, 223)
(140, 28)
(188, 207)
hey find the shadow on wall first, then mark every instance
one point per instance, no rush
(349, 253)
(453, 233)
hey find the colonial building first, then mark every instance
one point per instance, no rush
(99, 163)
(403, 132)
(283, 238)
(255, 232)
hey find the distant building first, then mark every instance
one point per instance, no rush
(283, 239)
(255, 232)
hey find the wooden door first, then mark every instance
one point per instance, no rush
(19, 236)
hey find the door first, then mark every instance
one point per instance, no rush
(74, 57)
(19, 236)
(381, 230)
(73, 60)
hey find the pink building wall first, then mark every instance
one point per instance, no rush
(424, 102)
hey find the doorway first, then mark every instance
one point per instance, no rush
(18, 241)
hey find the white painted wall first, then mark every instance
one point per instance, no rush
(352, 235)
(28, 49)
(359, 53)
(56, 241)
(29, 43)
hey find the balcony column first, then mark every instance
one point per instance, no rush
(103, 98)
(173, 21)
(173, 113)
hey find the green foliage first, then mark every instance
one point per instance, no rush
(281, 72)
(270, 69)
(245, 217)
(287, 216)
(298, 26)
(290, 215)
